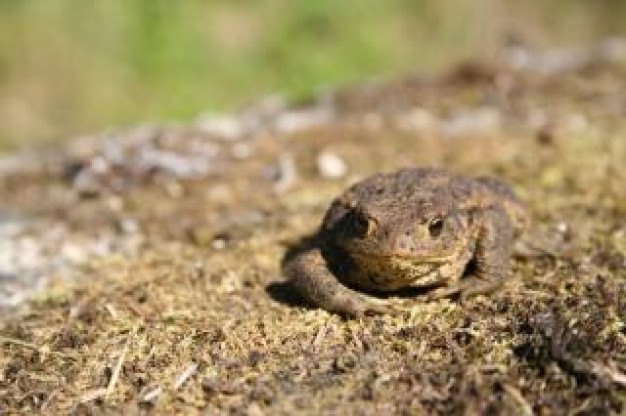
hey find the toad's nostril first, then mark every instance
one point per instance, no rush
(404, 242)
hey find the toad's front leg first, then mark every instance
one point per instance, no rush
(491, 260)
(493, 252)
(309, 273)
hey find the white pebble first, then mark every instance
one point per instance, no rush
(331, 165)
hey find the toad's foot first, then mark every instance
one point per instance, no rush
(467, 288)
(311, 277)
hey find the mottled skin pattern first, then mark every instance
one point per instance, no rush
(412, 228)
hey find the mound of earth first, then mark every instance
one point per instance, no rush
(140, 269)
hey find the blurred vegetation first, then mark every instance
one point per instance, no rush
(70, 66)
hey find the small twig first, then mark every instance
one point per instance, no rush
(287, 173)
(48, 400)
(118, 366)
(189, 372)
(41, 349)
(92, 395)
(614, 375)
(493, 368)
(516, 395)
(19, 342)
(321, 334)
(152, 395)
(618, 378)
(111, 310)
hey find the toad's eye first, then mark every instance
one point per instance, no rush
(435, 227)
(363, 226)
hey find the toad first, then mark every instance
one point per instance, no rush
(418, 227)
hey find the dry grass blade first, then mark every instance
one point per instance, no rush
(152, 395)
(93, 395)
(120, 361)
(41, 349)
(189, 372)
(525, 408)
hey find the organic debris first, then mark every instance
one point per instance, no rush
(161, 247)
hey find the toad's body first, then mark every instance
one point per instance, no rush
(411, 228)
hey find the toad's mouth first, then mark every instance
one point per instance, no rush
(411, 259)
(392, 265)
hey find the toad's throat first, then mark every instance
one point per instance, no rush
(391, 273)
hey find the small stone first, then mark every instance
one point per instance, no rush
(303, 119)
(241, 150)
(330, 165)
(562, 227)
(286, 174)
(115, 203)
(201, 235)
(100, 165)
(220, 193)
(87, 184)
(74, 253)
(218, 244)
(129, 226)
(254, 410)
(222, 127)
(472, 121)
(417, 119)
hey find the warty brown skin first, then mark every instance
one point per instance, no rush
(417, 227)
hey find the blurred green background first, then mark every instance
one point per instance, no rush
(73, 66)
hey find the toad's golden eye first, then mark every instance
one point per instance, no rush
(435, 227)
(363, 226)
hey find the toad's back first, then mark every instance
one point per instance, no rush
(431, 185)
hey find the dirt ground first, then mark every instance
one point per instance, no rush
(160, 248)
